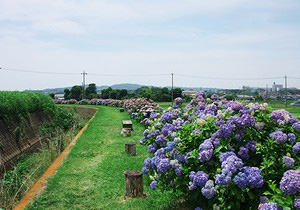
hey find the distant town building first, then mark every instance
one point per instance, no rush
(276, 88)
(59, 96)
(189, 93)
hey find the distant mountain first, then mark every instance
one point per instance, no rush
(127, 86)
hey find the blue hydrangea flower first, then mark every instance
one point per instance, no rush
(290, 182)
(246, 120)
(163, 165)
(198, 179)
(296, 148)
(263, 199)
(249, 176)
(160, 139)
(292, 137)
(288, 162)
(206, 151)
(152, 148)
(209, 190)
(296, 126)
(268, 206)
(279, 136)
(167, 129)
(214, 97)
(225, 130)
(153, 185)
(170, 146)
(244, 153)
(297, 203)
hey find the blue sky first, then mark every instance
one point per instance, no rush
(217, 38)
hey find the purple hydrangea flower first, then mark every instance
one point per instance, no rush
(292, 137)
(225, 130)
(145, 170)
(296, 148)
(259, 126)
(170, 146)
(160, 139)
(279, 136)
(244, 153)
(206, 151)
(154, 115)
(225, 155)
(197, 208)
(160, 153)
(163, 165)
(263, 199)
(290, 182)
(177, 170)
(246, 120)
(297, 203)
(296, 126)
(153, 185)
(268, 206)
(288, 162)
(198, 179)
(167, 116)
(152, 148)
(249, 176)
(214, 97)
(147, 162)
(209, 190)
(223, 179)
(168, 129)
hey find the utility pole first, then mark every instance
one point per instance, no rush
(286, 92)
(172, 88)
(83, 83)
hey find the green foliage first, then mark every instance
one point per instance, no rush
(17, 105)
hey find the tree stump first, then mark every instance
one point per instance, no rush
(130, 148)
(126, 132)
(127, 124)
(122, 109)
(134, 184)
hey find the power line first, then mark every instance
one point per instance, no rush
(223, 78)
(39, 72)
(129, 75)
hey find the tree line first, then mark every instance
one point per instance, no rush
(155, 93)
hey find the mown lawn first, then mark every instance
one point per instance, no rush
(92, 175)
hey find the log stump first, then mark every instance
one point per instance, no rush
(134, 184)
(130, 148)
(127, 124)
(122, 109)
(126, 132)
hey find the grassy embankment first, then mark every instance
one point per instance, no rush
(92, 175)
(15, 108)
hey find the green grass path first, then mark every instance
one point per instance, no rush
(92, 175)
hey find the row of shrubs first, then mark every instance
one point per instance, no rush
(220, 154)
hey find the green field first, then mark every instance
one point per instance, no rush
(92, 175)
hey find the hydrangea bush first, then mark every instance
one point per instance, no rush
(224, 154)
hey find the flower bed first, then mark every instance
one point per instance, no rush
(225, 154)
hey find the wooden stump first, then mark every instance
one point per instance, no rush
(127, 124)
(126, 132)
(134, 183)
(130, 148)
(122, 109)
